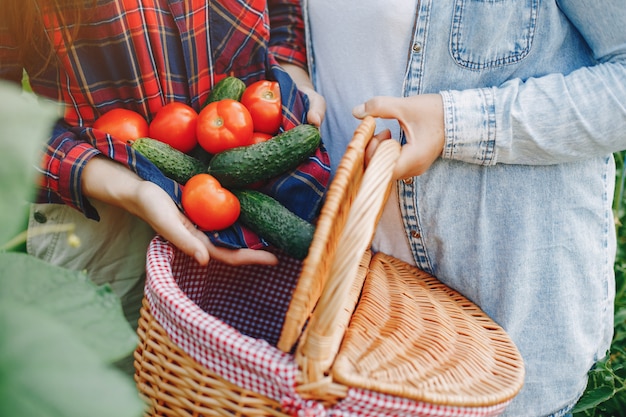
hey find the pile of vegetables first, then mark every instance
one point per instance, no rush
(222, 154)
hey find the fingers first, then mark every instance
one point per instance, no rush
(317, 104)
(196, 243)
(374, 142)
(317, 108)
(242, 256)
(421, 118)
(181, 232)
(315, 117)
(415, 159)
(383, 107)
(155, 206)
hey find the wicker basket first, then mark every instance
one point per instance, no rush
(350, 334)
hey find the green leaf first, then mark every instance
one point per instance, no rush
(620, 316)
(593, 398)
(46, 372)
(93, 313)
(25, 123)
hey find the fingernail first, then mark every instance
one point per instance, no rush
(359, 111)
(200, 258)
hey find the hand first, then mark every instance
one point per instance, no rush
(421, 118)
(146, 200)
(317, 103)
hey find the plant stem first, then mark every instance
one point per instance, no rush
(37, 231)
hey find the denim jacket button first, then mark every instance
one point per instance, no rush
(417, 47)
(408, 181)
(40, 217)
(416, 234)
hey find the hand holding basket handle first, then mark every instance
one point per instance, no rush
(382, 337)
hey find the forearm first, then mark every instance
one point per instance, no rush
(565, 115)
(317, 103)
(548, 120)
(108, 181)
(299, 75)
(63, 158)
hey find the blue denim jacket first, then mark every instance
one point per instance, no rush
(516, 215)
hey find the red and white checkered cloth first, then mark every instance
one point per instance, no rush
(229, 320)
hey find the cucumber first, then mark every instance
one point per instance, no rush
(173, 163)
(229, 87)
(238, 167)
(273, 222)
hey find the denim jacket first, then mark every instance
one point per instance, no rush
(517, 213)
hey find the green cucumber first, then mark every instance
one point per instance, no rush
(238, 167)
(275, 223)
(173, 163)
(229, 87)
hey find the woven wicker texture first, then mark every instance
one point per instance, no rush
(330, 225)
(322, 338)
(175, 385)
(413, 337)
(367, 334)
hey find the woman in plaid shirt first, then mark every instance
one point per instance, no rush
(93, 56)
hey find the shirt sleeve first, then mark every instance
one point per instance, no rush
(70, 149)
(287, 39)
(62, 163)
(555, 118)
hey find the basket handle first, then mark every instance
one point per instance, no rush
(333, 216)
(322, 337)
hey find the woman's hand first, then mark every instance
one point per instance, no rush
(421, 118)
(317, 103)
(113, 183)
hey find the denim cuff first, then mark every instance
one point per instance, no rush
(470, 126)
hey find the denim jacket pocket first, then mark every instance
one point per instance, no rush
(488, 34)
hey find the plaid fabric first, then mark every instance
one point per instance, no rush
(143, 54)
(237, 342)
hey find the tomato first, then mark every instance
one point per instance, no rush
(123, 124)
(208, 204)
(175, 124)
(224, 124)
(262, 99)
(258, 137)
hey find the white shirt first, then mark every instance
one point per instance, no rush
(334, 24)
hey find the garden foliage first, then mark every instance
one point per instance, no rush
(59, 333)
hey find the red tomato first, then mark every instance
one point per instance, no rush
(224, 124)
(262, 99)
(123, 124)
(208, 204)
(175, 124)
(258, 137)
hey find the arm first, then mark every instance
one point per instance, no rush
(555, 118)
(148, 201)
(287, 43)
(317, 104)
(80, 164)
(552, 119)
(76, 171)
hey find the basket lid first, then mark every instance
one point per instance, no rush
(412, 336)
(384, 325)
(330, 224)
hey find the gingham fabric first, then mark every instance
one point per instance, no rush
(239, 345)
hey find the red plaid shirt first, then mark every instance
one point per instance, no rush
(141, 55)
